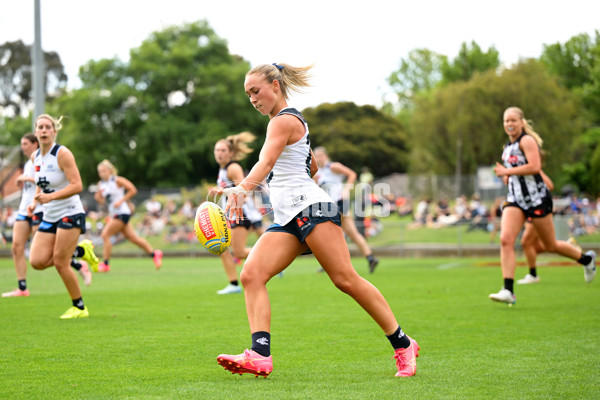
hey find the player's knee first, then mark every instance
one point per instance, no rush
(507, 241)
(343, 283)
(37, 264)
(251, 275)
(18, 249)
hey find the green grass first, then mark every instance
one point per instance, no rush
(156, 335)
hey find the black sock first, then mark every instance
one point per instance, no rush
(152, 254)
(370, 258)
(398, 339)
(79, 252)
(75, 264)
(261, 343)
(78, 303)
(234, 283)
(533, 271)
(585, 259)
(106, 262)
(509, 284)
(22, 284)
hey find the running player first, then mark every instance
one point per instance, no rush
(528, 196)
(116, 192)
(331, 177)
(58, 185)
(227, 153)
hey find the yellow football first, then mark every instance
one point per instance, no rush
(212, 228)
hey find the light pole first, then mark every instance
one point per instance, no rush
(37, 57)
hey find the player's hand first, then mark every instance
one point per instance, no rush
(236, 196)
(500, 170)
(42, 197)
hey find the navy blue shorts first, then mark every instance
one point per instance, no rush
(306, 220)
(70, 222)
(35, 220)
(123, 217)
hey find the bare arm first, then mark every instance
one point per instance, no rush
(130, 190)
(534, 161)
(547, 180)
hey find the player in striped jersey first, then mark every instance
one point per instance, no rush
(528, 197)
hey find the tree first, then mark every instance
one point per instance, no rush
(469, 61)
(158, 116)
(420, 72)
(16, 95)
(359, 136)
(576, 64)
(470, 113)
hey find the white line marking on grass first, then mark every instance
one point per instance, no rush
(450, 265)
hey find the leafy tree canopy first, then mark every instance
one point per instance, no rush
(359, 136)
(16, 86)
(158, 116)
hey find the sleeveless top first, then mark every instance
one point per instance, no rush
(527, 191)
(291, 187)
(50, 178)
(112, 192)
(28, 191)
(331, 182)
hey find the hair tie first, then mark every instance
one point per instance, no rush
(279, 67)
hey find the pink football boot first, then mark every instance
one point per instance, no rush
(249, 362)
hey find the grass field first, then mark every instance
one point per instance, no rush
(156, 335)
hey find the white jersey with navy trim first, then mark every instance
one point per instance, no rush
(28, 190)
(50, 178)
(527, 191)
(291, 187)
(112, 192)
(331, 182)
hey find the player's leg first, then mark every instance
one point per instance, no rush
(327, 243)
(349, 228)
(545, 229)
(131, 235)
(21, 231)
(239, 237)
(112, 227)
(41, 252)
(64, 246)
(271, 254)
(512, 222)
(530, 244)
(231, 272)
(329, 247)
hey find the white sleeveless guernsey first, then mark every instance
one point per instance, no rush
(331, 182)
(28, 191)
(50, 178)
(112, 192)
(291, 186)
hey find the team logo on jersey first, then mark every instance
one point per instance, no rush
(513, 159)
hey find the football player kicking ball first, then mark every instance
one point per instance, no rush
(305, 218)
